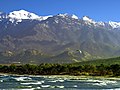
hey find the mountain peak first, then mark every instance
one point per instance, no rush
(86, 18)
(114, 24)
(68, 15)
(74, 16)
(22, 14)
(63, 15)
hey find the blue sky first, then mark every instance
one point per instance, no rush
(99, 10)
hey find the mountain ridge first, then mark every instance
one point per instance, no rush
(56, 36)
(23, 14)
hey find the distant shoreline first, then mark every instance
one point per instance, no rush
(63, 76)
(62, 69)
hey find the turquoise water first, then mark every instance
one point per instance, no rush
(10, 82)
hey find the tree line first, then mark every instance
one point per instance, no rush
(62, 69)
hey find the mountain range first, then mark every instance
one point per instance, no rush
(63, 38)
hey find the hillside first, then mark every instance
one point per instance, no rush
(58, 37)
(109, 61)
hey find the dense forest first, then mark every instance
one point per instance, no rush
(62, 69)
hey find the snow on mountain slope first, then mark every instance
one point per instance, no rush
(18, 16)
(114, 24)
(63, 15)
(66, 15)
(22, 14)
(74, 16)
(85, 18)
(89, 21)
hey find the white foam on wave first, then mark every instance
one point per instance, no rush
(60, 80)
(52, 81)
(110, 81)
(1, 80)
(117, 89)
(45, 86)
(101, 82)
(60, 86)
(75, 86)
(38, 87)
(57, 81)
(26, 89)
(97, 81)
(49, 86)
(23, 78)
(32, 83)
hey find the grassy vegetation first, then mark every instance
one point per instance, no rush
(109, 61)
(101, 67)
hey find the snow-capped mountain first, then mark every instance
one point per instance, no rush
(23, 30)
(75, 17)
(22, 14)
(114, 24)
(18, 16)
(67, 15)
(87, 19)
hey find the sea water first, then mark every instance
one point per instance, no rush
(12, 82)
